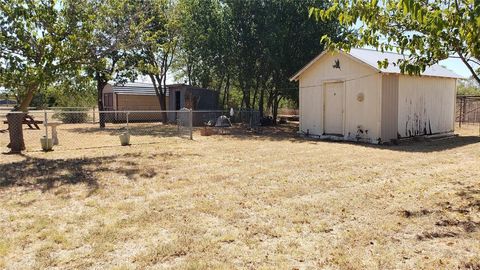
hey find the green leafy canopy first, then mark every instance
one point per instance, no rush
(427, 30)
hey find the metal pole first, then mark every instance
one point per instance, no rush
(461, 111)
(251, 118)
(476, 112)
(93, 114)
(45, 123)
(191, 124)
(127, 121)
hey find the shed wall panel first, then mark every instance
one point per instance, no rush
(311, 110)
(389, 124)
(362, 118)
(426, 105)
(358, 78)
(139, 103)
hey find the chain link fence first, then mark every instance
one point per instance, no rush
(79, 128)
(468, 110)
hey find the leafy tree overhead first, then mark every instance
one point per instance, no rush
(427, 31)
(251, 47)
(293, 41)
(203, 41)
(155, 44)
(246, 50)
(106, 35)
(34, 38)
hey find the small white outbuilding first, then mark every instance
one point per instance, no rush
(345, 96)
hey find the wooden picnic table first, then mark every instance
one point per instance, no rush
(29, 121)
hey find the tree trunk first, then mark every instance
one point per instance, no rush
(189, 72)
(15, 130)
(225, 92)
(276, 102)
(160, 91)
(163, 105)
(254, 99)
(270, 101)
(246, 96)
(101, 83)
(260, 102)
(28, 98)
(15, 122)
(162, 102)
(163, 99)
(470, 68)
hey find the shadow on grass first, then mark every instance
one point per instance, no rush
(151, 130)
(284, 132)
(435, 145)
(289, 133)
(45, 174)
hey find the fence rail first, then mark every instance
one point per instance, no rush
(74, 128)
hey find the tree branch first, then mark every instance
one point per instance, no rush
(475, 75)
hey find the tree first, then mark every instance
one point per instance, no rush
(34, 38)
(156, 44)
(203, 43)
(106, 35)
(293, 42)
(468, 87)
(428, 31)
(205, 56)
(272, 40)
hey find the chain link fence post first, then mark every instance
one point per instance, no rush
(191, 123)
(128, 113)
(45, 123)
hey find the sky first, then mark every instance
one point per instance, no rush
(456, 65)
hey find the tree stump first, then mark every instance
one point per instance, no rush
(15, 129)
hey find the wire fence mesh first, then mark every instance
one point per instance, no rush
(80, 128)
(468, 110)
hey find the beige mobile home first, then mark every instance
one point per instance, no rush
(346, 96)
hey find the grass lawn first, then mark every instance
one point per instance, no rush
(268, 201)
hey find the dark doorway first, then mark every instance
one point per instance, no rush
(177, 100)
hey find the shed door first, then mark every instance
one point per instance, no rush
(178, 100)
(334, 97)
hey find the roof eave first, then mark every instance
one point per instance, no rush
(297, 75)
(456, 76)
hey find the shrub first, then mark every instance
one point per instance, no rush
(72, 115)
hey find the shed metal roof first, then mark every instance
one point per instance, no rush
(136, 88)
(371, 58)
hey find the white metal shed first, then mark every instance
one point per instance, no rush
(346, 96)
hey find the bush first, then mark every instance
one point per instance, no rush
(72, 116)
(266, 121)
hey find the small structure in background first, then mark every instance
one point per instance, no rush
(7, 102)
(222, 123)
(361, 102)
(142, 97)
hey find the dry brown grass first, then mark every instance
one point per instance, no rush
(265, 201)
